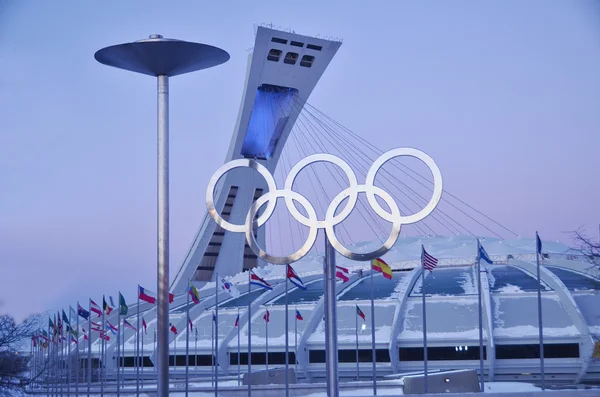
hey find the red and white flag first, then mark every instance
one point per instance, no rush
(145, 326)
(428, 261)
(172, 328)
(267, 316)
(95, 308)
(342, 273)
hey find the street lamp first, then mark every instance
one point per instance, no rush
(162, 58)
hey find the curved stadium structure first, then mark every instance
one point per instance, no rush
(569, 298)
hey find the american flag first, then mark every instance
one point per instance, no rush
(428, 261)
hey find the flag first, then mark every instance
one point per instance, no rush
(34, 340)
(483, 254)
(194, 294)
(128, 325)
(59, 322)
(85, 337)
(267, 316)
(146, 295)
(294, 278)
(214, 318)
(171, 297)
(44, 335)
(379, 265)
(360, 313)
(227, 286)
(112, 303)
(112, 328)
(65, 318)
(145, 326)
(106, 307)
(173, 329)
(298, 315)
(237, 321)
(51, 325)
(538, 243)
(196, 333)
(95, 308)
(190, 324)
(428, 261)
(342, 273)
(254, 279)
(122, 305)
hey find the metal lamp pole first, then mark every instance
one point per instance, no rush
(162, 58)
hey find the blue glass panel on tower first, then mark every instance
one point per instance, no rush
(273, 106)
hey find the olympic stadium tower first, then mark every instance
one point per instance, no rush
(283, 70)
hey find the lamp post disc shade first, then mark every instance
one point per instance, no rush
(162, 57)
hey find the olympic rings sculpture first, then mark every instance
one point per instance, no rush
(331, 219)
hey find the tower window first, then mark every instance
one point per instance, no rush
(274, 55)
(297, 44)
(314, 47)
(291, 58)
(278, 40)
(307, 61)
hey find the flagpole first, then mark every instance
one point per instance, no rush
(62, 359)
(141, 379)
(212, 350)
(69, 360)
(187, 342)
(249, 336)
(296, 342)
(77, 354)
(238, 340)
(119, 328)
(539, 304)
(196, 351)
(216, 335)
(481, 379)
(122, 349)
(373, 355)
(287, 348)
(424, 319)
(137, 348)
(102, 352)
(357, 370)
(89, 360)
(267, 348)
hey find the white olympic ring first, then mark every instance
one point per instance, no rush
(331, 219)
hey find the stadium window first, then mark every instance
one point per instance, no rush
(274, 55)
(297, 44)
(278, 40)
(364, 356)
(291, 58)
(554, 350)
(307, 61)
(316, 356)
(441, 353)
(259, 358)
(314, 47)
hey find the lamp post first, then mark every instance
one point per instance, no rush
(162, 58)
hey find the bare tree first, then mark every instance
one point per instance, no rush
(14, 354)
(589, 248)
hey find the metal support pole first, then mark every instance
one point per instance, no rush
(216, 335)
(249, 335)
(540, 323)
(373, 355)
(357, 370)
(424, 320)
(331, 323)
(481, 380)
(287, 345)
(187, 342)
(163, 238)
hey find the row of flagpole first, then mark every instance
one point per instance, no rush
(63, 371)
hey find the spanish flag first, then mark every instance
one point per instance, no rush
(380, 266)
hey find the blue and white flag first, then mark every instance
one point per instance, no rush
(538, 243)
(294, 278)
(483, 254)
